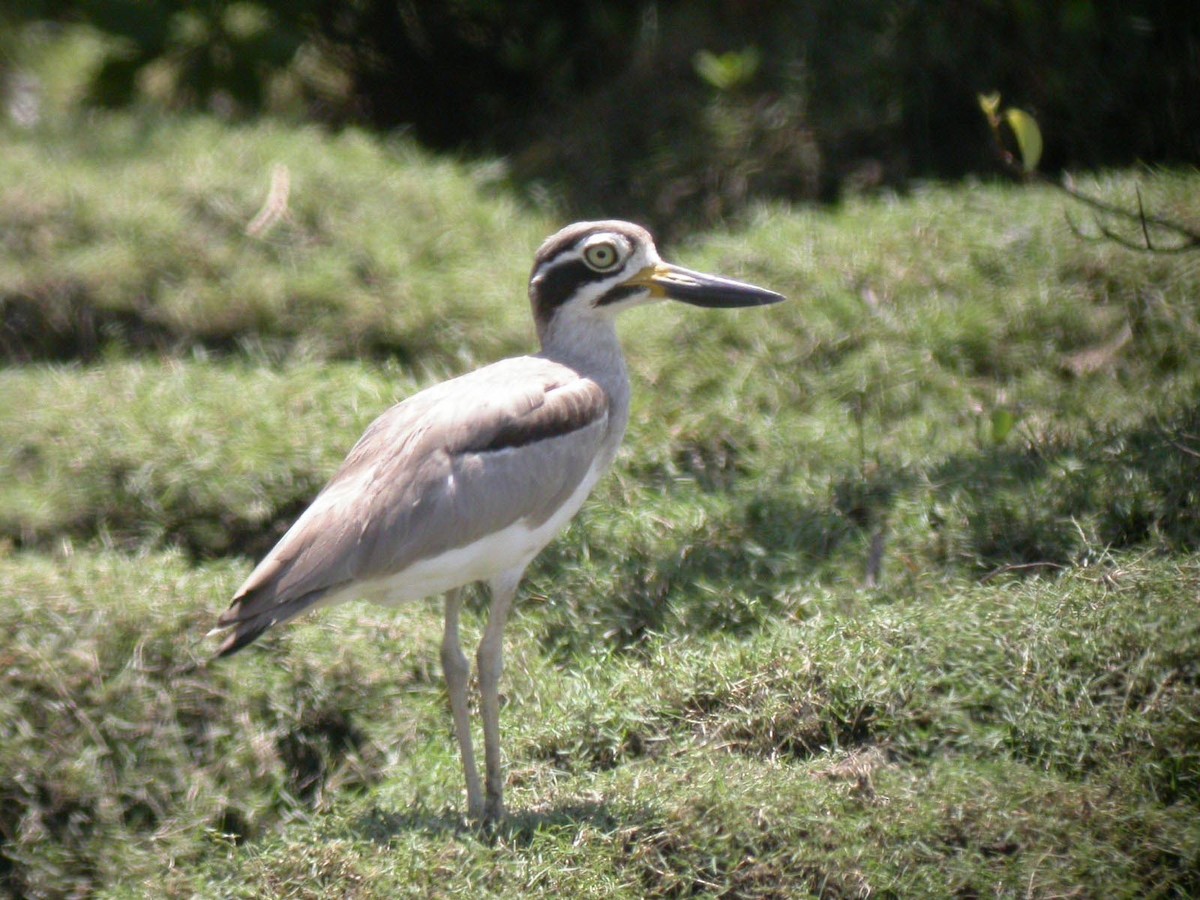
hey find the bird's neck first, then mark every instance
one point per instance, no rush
(591, 348)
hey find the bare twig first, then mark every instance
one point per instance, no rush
(875, 557)
(1187, 238)
(1184, 449)
(1142, 216)
(275, 207)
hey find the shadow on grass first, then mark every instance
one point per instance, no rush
(1018, 505)
(518, 828)
(1018, 508)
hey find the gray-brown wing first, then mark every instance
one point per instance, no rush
(438, 471)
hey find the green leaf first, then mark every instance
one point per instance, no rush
(990, 104)
(1003, 422)
(726, 71)
(1029, 137)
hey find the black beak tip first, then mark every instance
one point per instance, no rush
(729, 296)
(772, 298)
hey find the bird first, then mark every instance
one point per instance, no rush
(467, 480)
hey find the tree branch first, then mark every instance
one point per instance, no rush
(1187, 238)
(1184, 238)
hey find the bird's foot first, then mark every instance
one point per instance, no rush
(493, 810)
(475, 813)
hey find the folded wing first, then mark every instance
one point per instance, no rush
(436, 472)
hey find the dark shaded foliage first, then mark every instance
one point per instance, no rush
(605, 107)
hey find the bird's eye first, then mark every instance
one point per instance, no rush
(601, 256)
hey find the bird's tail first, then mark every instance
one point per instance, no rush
(249, 616)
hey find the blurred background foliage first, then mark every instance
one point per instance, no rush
(672, 112)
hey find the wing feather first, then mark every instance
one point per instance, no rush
(435, 472)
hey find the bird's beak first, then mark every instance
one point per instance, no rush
(698, 289)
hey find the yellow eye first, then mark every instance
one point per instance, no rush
(601, 256)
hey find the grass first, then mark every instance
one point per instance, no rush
(135, 239)
(904, 746)
(892, 591)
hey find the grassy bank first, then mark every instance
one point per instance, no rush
(893, 589)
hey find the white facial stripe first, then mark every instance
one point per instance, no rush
(624, 251)
(566, 256)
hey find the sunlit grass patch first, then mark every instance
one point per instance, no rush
(122, 747)
(891, 592)
(135, 239)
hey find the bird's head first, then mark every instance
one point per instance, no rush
(596, 269)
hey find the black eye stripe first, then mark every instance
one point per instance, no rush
(618, 293)
(559, 283)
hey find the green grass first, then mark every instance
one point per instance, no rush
(1040, 735)
(711, 690)
(133, 238)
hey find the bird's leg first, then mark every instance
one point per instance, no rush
(457, 672)
(490, 661)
